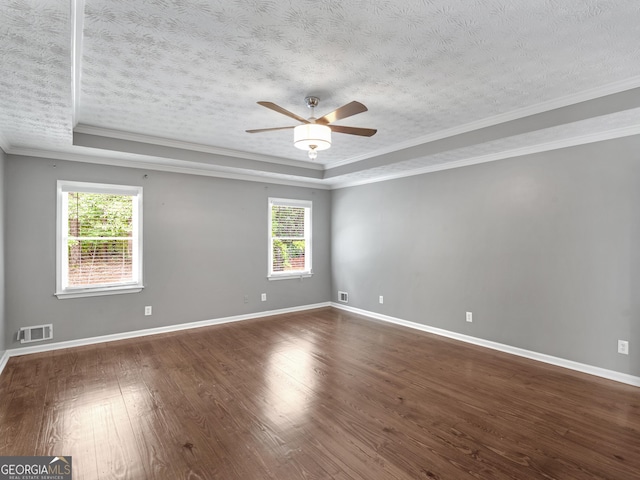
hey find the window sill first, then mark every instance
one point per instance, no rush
(290, 276)
(96, 292)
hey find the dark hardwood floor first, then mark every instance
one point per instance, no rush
(317, 394)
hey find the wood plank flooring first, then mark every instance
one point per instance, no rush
(315, 395)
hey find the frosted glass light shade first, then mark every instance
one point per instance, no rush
(312, 136)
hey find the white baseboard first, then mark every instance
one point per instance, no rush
(3, 360)
(150, 331)
(541, 357)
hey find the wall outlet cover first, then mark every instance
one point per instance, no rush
(623, 347)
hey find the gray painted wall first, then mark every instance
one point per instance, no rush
(543, 249)
(3, 346)
(205, 247)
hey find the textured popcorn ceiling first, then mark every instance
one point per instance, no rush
(190, 72)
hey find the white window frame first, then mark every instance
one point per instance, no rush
(308, 237)
(63, 290)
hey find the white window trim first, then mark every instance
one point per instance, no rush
(64, 186)
(308, 271)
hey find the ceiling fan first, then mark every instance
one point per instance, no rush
(315, 133)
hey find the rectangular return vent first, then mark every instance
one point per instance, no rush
(343, 297)
(35, 334)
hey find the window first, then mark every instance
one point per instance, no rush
(289, 238)
(99, 239)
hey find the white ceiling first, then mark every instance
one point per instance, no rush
(173, 84)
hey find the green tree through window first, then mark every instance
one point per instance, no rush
(100, 238)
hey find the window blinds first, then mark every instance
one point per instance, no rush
(290, 237)
(100, 239)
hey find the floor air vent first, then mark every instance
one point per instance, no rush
(343, 297)
(35, 334)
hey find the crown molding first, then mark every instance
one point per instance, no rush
(196, 147)
(4, 144)
(77, 29)
(513, 153)
(572, 99)
(188, 168)
(171, 166)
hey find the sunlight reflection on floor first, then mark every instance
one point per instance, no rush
(290, 382)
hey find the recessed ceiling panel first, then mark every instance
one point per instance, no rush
(191, 72)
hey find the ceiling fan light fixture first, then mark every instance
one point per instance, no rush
(312, 137)
(315, 134)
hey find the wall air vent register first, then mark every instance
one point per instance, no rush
(36, 333)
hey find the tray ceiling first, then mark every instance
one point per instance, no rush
(173, 84)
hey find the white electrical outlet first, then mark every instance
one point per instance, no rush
(147, 310)
(263, 297)
(469, 317)
(623, 347)
(381, 299)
